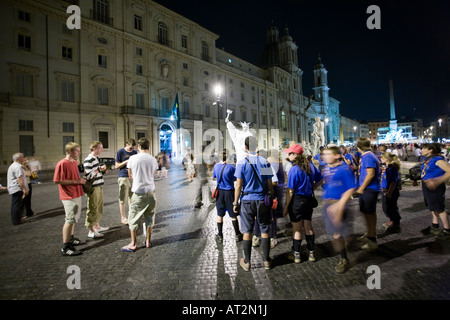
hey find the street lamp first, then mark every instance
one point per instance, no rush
(440, 124)
(218, 91)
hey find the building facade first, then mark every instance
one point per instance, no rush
(119, 75)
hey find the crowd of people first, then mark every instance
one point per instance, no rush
(260, 189)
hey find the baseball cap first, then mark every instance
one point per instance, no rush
(295, 148)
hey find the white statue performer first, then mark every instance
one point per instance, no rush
(238, 137)
(318, 135)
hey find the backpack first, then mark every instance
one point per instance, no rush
(414, 172)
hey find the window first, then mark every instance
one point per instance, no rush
(262, 102)
(283, 121)
(24, 16)
(231, 81)
(186, 81)
(162, 33)
(205, 51)
(242, 96)
(243, 115)
(140, 134)
(253, 99)
(66, 53)
(66, 140)
(26, 125)
(140, 102)
(101, 11)
(139, 70)
(138, 22)
(242, 85)
(67, 91)
(186, 107)
(138, 51)
(206, 86)
(68, 127)
(103, 137)
(184, 41)
(102, 96)
(185, 66)
(24, 42)
(263, 120)
(102, 61)
(164, 103)
(65, 29)
(26, 145)
(253, 88)
(24, 85)
(231, 94)
(207, 113)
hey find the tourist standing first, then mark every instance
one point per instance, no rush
(254, 178)
(17, 187)
(368, 190)
(123, 180)
(303, 178)
(390, 182)
(338, 189)
(190, 167)
(223, 172)
(67, 177)
(94, 170)
(27, 199)
(141, 169)
(435, 173)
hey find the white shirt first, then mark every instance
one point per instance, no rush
(143, 167)
(14, 172)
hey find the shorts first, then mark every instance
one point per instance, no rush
(251, 209)
(142, 206)
(224, 202)
(124, 189)
(72, 209)
(368, 201)
(300, 208)
(344, 228)
(434, 199)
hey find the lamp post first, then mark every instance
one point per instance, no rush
(218, 91)
(354, 133)
(440, 124)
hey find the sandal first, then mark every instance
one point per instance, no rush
(150, 244)
(127, 249)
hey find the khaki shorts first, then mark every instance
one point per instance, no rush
(124, 189)
(72, 208)
(142, 206)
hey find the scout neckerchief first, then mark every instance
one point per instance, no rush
(425, 167)
(359, 167)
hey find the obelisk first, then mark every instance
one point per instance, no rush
(393, 119)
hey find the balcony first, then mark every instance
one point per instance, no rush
(4, 97)
(165, 42)
(206, 58)
(103, 18)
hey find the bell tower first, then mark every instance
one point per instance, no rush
(320, 83)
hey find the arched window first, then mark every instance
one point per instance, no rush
(162, 33)
(205, 51)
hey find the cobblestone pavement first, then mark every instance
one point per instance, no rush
(186, 262)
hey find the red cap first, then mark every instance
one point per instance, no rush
(295, 148)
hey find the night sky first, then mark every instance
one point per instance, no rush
(413, 47)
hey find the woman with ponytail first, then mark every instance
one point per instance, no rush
(390, 183)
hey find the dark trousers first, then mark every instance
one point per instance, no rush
(27, 203)
(390, 207)
(16, 207)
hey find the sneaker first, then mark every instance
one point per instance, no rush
(239, 237)
(245, 266)
(311, 257)
(273, 243)
(255, 241)
(70, 251)
(75, 242)
(430, 230)
(267, 265)
(94, 234)
(363, 238)
(443, 235)
(387, 224)
(102, 229)
(219, 238)
(295, 257)
(370, 245)
(124, 221)
(394, 229)
(342, 266)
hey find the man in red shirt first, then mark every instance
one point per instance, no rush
(70, 186)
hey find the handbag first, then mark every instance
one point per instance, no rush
(268, 198)
(88, 186)
(34, 175)
(215, 193)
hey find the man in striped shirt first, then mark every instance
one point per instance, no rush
(94, 170)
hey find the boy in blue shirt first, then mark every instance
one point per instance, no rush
(369, 188)
(254, 178)
(390, 182)
(338, 189)
(224, 174)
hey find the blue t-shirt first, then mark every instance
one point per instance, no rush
(348, 156)
(389, 175)
(121, 156)
(369, 160)
(300, 182)
(251, 184)
(227, 180)
(430, 169)
(338, 180)
(321, 163)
